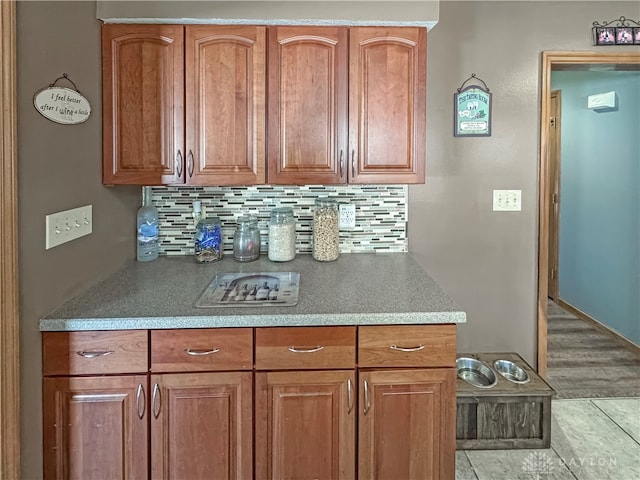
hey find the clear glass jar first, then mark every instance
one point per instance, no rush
(326, 234)
(282, 235)
(208, 240)
(246, 239)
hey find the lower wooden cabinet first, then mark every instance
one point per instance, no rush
(95, 428)
(240, 404)
(201, 426)
(405, 424)
(305, 425)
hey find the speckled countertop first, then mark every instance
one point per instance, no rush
(356, 289)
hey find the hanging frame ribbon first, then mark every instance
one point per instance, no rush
(472, 109)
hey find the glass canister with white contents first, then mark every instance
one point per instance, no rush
(326, 234)
(282, 235)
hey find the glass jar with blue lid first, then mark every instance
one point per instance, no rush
(208, 240)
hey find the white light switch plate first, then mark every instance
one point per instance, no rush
(507, 200)
(65, 226)
(347, 216)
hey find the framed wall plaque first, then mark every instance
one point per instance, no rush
(61, 104)
(472, 110)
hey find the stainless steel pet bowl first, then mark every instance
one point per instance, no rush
(475, 373)
(511, 371)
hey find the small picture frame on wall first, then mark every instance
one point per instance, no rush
(622, 31)
(605, 36)
(624, 35)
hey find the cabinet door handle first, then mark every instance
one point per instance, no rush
(188, 351)
(94, 353)
(367, 400)
(179, 164)
(305, 349)
(353, 163)
(341, 163)
(349, 396)
(406, 349)
(140, 404)
(190, 163)
(156, 400)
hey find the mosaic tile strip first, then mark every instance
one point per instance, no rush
(381, 214)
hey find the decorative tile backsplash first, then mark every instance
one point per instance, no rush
(381, 214)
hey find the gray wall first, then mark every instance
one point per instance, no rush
(59, 167)
(599, 267)
(486, 261)
(386, 11)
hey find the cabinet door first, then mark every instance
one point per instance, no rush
(407, 424)
(387, 105)
(143, 104)
(307, 105)
(225, 99)
(95, 427)
(305, 425)
(201, 426)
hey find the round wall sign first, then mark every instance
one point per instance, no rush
(62, 105)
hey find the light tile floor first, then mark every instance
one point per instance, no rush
(591, 439)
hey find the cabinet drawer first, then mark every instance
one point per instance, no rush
(407, 346)
(80, 353)
(201, 349)
(290, 348)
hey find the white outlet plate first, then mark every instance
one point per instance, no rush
(65, 226)
(347, 216)
(507, 200)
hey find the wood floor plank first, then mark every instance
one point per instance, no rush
(584, 362)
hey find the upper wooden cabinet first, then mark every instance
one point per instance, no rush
(346, 105)
(387, 105)
(225, 99)
(143, 103)
(308, 100)
(191, 104)
(183, 104)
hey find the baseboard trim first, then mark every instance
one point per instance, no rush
(600, 326)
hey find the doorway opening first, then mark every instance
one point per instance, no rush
(553, 61)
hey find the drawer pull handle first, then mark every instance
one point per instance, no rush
(141, 405)
(156, 400)
(349, 396)
(94, 353)
(196, 353)
(305, 349)
(406, 349)
(367, 400)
